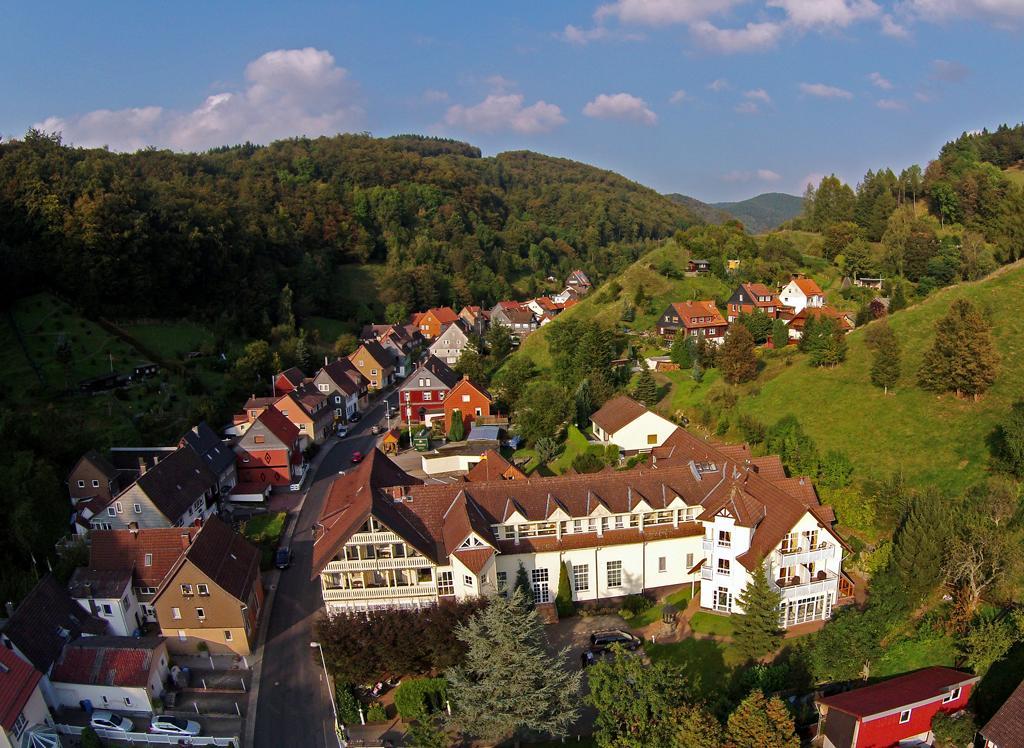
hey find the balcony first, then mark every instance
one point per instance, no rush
(334, 594)
(707, 573)
(794, 587)
(804, 555)
(707, 545)
(379, 564)
(374, 537)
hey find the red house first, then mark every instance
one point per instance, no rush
(895, 710)
(421, 396)
(288, 380)
(470, 400)
(269, 452)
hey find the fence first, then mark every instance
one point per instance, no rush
(145, 737)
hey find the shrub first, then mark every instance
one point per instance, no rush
(345, 700)
(415, 698)
(752, 429)
(563, 600)
(587, 462)
(953, 731)
(376, 713)
(635, 604)
(90, 739)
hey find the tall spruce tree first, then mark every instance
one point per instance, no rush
(919, 545)
(756, 630)
(681, 352)
(780, 334)
(584, 402)
(510, 684)
(761, 722)
(963, 358)
(736, 358)
(646, 389)
(885, 368)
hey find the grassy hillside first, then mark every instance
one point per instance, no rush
(764, 212)
(1015, 174)
(936, 440)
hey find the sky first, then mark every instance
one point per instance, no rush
(718, 99)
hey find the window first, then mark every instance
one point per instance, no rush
(228, 636)
(724, 538)
(905, 716)
(689, 561)
(614, 573)
(201, 614)
(502, 577)
(182, 636)
(107, 610)
(581, 577)
(723, 566)
(95, 484)
(652, 438)
(137, 508)
(19, 725)
(176, 614)
(722, 600)
(302, 427)
(186, 589)
(465, 398)
(323, 387)
(539, 578)
(662, 564)
(203, 589)
(445, 583)
(81, 484)
(111, 511)
(952, 695)
(428, 395)
(467, 580)
(127, 701)
(791, 543)
(120, 509)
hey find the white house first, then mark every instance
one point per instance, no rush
(627, 424)
(111, 672)
(22, 706)
(386, 539)
(449, 345)
(109, 596)
(801, 292)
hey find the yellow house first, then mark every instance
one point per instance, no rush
(732, 264)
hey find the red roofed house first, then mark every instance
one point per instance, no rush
(431, 322)
(693, 318)
(801, 292)
(374, 363)
(799, 321)
(493, 466)
(122, 673)
(22, 705)
(344, 386)
(518, 318)
(893, 711)
(470, 400)
(421, 396)
(270, 451)
(288, 380)
(475, 318)
(579, 282)
(310, 410)
(751, 297)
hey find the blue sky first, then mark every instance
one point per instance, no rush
(719, 99)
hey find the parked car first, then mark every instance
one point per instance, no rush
(602, 641)
(164, 724)
(105, 720)
(357, 457)
(342, 432)
(283, 558)
(376, 429)
(355, 417)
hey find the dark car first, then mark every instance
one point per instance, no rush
(602, 641)
(354, 418)
(357, 457)
(283, 557)
(376, 428)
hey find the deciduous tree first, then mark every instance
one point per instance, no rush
(963, 358)
(885, 366)
(736, 358)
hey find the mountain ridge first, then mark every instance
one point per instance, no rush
(759, 214)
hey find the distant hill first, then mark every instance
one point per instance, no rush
(704, 211)
(764, 212)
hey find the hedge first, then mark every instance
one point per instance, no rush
(417, 697)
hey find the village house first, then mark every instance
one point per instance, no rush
(23, 709)
(475, 318)
(386, 539)
(693, 318)
(421, 396)
(1006, 728)
(519, 320)
(345, 387)
(215, 453)
(374, 363)
(212, 594)
(270, 451)
(449, 345)
(579, 282)
(797, 324)
(801, 292)
(492, 466)
(288, 380)
(109, 595)
(397, 340)
(431, 322)
(309, 409)
(466, 400)
(893, 712)
(700, 267)
(628, 425)
(123, 673)
(93, 477)
(751, 297)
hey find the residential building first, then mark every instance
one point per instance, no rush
(801, 292)
(346, 388)
(215, 453)
(475, 318)
(421, 396)
(470, 400)
(628, 425)
(288, 380)
(431, 322)
(177, 491)
(694, 318)
(701, 267)
(519, 320)
(93, 476)
(374, 363)
(797, 324)
(212, 594)
(270, 451)
(386, 539)
(449, 345)
(310, 411)
(579, 282)
(22, 705)
(1006, 728)
(897, 711)
(751, 297)
(108, 594)
(492, 466)
(122, 673)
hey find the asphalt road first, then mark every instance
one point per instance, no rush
(294, 708)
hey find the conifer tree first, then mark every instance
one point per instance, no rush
(646, 389)
(780, 334)
(584, 401)
(509, 683)
(457, 432)
(898, 300)
(920, 545)
(760, 722)
(681, 352)
(563, 600)
(1008, 441)
(885, 368)
(756, 630)
(522, 584)
(736, 358)
(962, 359)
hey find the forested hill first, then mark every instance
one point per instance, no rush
(218, 234)
(764, 212)
(707, 212)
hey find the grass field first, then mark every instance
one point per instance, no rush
(171, 340)
(708, 623)
(679, 599)
(265, 531)
(707, 661)
(934, 440)
(914, 654)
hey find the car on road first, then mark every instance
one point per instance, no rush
(356, 457)
(355, 417)
(602, 641)
(283, 558)
(104, 720)
(342, 432)
(164, 724)
(376, 429)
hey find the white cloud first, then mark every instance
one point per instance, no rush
(753, 37)
(718, 85)
(499, 83)
(505, 112)
(825, 92)
(581, 36)
(891, 104)
(1002, 12)
(880, 81)
(622, 106)
(808, 14)
(759, 175)
(890, 27)
(767, 175)
(747, 107)
(289, 92)
(661, 12)
(758, 94)
(678, 97)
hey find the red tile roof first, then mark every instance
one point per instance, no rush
(443, 314)
(808, 286)
(618, 412)
(18, 679)
(277, 424)
(474, 559)
(493, 466)
(799, 321)
(898, 693)
(128, 549)
(690, 311)
(107, 661)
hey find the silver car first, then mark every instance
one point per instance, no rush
(104, 720)
(164, 724)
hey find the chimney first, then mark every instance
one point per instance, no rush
(142, 465)
(185, 540)
(10, 608)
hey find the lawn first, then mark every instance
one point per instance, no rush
(914, 654)
(708, 623)
(265, 530)
(575, 444)
(651, 615)
(706, 661)
(171, 340)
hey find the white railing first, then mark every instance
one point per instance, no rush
(379, 564)
(706, 573)
(379, 593)
(811, 587)
(804, 555)
(707, 545)
(374, 537)
(150, 738)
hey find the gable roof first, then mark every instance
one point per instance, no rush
(688, 311)
(807, 285)
(99, 462)
(174, 483)
(107, 661)
(46, 620)
(462, 384)
(340, 372)
(273, 421)
(18, 679)
(799, 321)
(617, 412)
(374, 350)
(435, 366)
(898, 693)
(217, 455)
(443, 314)
(89, 583)
(294, 376)
(493, 466)
(225, 556)
(114, 550)
(1006, 728)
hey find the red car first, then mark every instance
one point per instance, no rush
(357, 457)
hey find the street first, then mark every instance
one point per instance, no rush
(294, 708)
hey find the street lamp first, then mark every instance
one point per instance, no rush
(330, 692)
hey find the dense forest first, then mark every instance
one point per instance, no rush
(218, 234)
